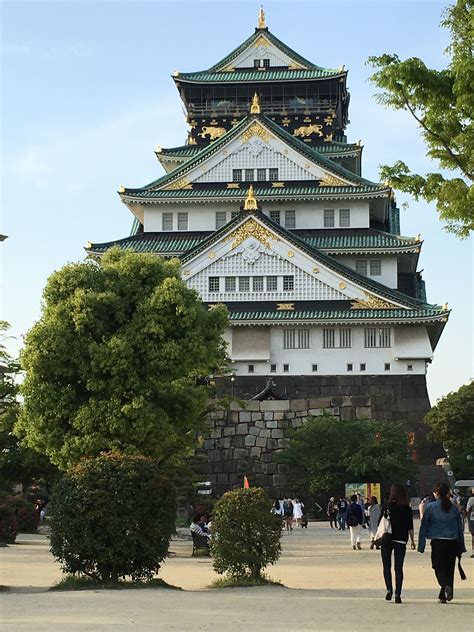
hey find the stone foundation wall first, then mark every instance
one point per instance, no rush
(246, 439)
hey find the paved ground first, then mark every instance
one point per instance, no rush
(328, 587)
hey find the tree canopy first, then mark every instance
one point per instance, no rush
(113, 362)
(451, 423)
(325, 453)
(442, 103)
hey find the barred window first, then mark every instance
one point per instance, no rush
(361, 266)
(374, 337)
(221, 219)
(370, 337)
(350, 367)
(329, 338)
(261, 175)
(289, 339)
(329, 218)
(409, 367)
(237, 175)
(182, 221)
(213, 284)
(344, 218)
(251, 368)
(275, 216)
(230, 284)
(345, 338)
(272, 283)
(288, 283)
(256, 63)
(257, 284)
(167, 221)
(303, 338)
(363, 366)
(384, 337)
(273, 368)
(286, 368)
(375, 267)
(273, 174)
(244, 284)
(314, 368)
(387, 366)
(296, 339)
(266, 63)
(290, 219)
(248, 175)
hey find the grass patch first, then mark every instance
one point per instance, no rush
(73, 582)
(243, 582)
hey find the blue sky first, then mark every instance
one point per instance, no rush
(87, 95)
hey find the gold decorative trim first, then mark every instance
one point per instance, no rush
(88, 245)
(290, 254)
(211, 255)
(228, 69)
(286, 121)
(191, 140)
(261, 18)
(371, 302)
(308, 130)
(285, 307)
(212, 132)
(445, 306)
(175, 73)
(328, 138)
(261, 41)
(182, 183)
(315, 270)
(331, 181)
(256, 130)
(255, 105)
(159, 149)
(121, 189)
(278, 185)
(295, 67)
(186, 272)
(233, 185)
(251, 228)
(250, 203)
(342, 285)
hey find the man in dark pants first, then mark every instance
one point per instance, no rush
(332, 513)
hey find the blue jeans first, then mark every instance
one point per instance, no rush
(341, 518)
(399, 551)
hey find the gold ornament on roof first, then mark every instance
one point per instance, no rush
(445, 306)
(256, 130)
(331, 181)
(418, 238)
(175, 73)
(121, 189)
(159, 149)
(255, 106)
(285, 307)
(261, 18)
(371, 302)
(250, 203)
(308, 130)
(251, 228)
(191, 139)
(212, 132)
(182, 183)
(88, 245)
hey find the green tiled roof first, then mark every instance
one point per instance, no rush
(294, 142)
(345, 315)
(257, 76)
(179, 243)
(274, 40)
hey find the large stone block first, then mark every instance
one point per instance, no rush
(235, 406)
(225, 442)
(347, 413)
(272, 444)
(245, 416)
(250, 441)
(261, 442)
(298, 404)
(277, 433)
(278, 416)
(254, 431)
(272, 424)
(256, 416)
(316, 412)
(241, 453)
(276, 404)
(209, 444)
(270, 468)
(363, 412)
(319, 402)
(255, 452)
(242, 429)
(268, 416)
(278, 480)
(265, 433)
(266, 457)
(223, 479)
(229, 467)
(215, 433)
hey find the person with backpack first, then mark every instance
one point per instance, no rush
(288, 514)
(355, 520)
(341, 513)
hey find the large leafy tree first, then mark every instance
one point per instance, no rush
(325, 453)
(442, 103)
(451, 423)
(113, 363)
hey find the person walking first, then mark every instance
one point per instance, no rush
(288, 514)
(355, 520)
(373, 512)
(470, 519)
(342, 513)
(401, 520)
(332, 513)
(442, 524)
(298, 507)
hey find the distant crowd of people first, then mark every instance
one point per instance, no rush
(291, 511)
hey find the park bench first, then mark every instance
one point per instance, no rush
(200, 543)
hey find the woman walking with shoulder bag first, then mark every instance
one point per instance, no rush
(442, 524)
(401, 521)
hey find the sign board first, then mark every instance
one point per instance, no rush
(366, 490)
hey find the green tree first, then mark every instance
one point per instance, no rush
(442, 103)
(325, 453)
(113, 363)
(451, 423)
(18, 463)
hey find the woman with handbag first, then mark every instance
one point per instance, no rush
(442, 524)
(400, 515)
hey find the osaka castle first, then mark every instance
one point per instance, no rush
(266, 207)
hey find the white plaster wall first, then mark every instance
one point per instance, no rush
(412, 342)
(389, 276)
(263, 50)
(332, 361)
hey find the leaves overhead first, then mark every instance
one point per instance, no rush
(113, 361)
(442, 103)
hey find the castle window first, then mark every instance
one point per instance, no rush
(261, 175)
(275, 216)
(363, 367)
(272, 283)
(384, 337)
(256, 63)
(249, 175)
(237, 175)
(167, 221)
(251, 368)
(266, 63)
(290, 219)
(329, 218)
(350, 367)
(221, 219)
(387, 366)
(344, 218)
(244, 284)
(273, 174)
(409, 367)
(375, 337)
(213, 284)
(273, 368)
(314, 368)
(230, 284)
(345, 338)
(375, 267)
(288, 283)
(361, 267)
(182, 221)
(296, 339)
(328, 338)
(257, 284)
(286, 368)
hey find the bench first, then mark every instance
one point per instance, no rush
(200, 543)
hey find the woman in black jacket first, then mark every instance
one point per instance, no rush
(401, 520)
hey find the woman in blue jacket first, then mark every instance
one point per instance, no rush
(442, 524)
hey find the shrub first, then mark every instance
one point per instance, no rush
(245, 534)
(8, 527)
(112, 517)
(27, 518)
